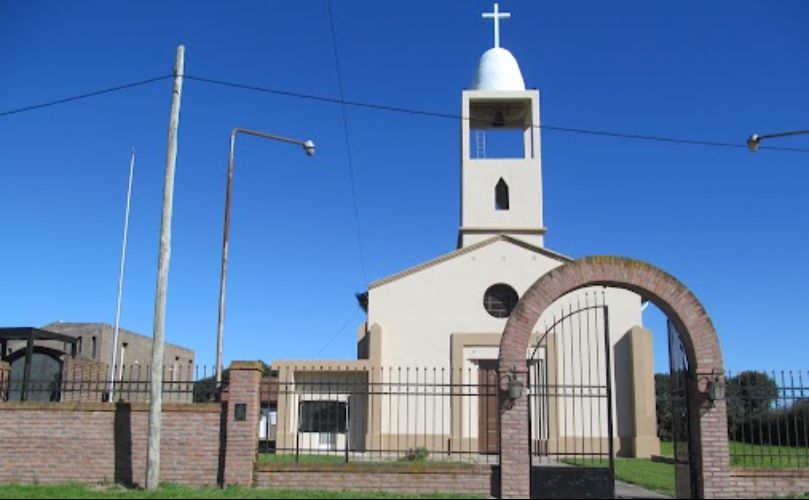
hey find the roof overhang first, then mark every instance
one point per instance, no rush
(31, 333)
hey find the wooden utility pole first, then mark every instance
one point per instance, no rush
(156, 400)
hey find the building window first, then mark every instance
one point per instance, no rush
(323, 416)
(174, 368)
(124, 345)
(501, 195)
(95, 348)
(499, 300)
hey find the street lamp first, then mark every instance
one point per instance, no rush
(309, 149)
(754, 141)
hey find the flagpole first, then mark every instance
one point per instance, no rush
(114, 356)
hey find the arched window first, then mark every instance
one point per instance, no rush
(44, 381)
(501, 195)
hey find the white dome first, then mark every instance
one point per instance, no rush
(498, 70)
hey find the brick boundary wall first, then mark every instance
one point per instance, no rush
(762, 483)
(479, 480)
(202, 444)
(709, 437)
(104, 443)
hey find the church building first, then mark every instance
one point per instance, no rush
(436, 327)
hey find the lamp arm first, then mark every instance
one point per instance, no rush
(239, 130)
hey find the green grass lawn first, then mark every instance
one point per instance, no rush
(169, 491)
(655, 476)
(758, 456)
(659, 477)
(768, 457)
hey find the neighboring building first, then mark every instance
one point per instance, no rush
(75, 357)
(134, 349)
(441, 321)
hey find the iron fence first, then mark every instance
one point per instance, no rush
(768, 418)
(90, 382)
(382, 414)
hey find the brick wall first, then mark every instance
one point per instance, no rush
(480, 480)
(98, 442)
(762, 483)
(92, 442)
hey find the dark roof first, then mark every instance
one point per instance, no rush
(29, 332)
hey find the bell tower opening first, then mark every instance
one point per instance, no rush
(501, 130)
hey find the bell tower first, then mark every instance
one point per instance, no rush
(501, 166)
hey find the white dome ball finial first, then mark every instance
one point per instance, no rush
(498, 70)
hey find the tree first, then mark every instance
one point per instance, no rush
(663, 403)
(749, 395)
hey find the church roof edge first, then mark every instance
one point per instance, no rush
(465, 250)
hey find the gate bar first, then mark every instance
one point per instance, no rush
(610, 439)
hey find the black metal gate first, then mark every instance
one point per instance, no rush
(680, 378)
(570, 404)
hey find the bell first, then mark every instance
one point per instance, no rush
(499, 118)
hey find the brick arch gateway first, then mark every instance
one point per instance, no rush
(708, 438)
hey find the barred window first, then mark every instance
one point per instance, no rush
(323, 416)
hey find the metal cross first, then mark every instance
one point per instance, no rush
(497, 16)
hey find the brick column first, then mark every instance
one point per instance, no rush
(515, 455)
(5, 373)
(241, 440)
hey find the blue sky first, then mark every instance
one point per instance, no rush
(731, 225)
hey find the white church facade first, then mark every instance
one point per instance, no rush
(430, 342)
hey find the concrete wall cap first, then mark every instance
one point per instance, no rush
(246, 365)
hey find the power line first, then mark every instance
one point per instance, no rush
(84, 96)
(336, 333)
(450, 116)
(394, 109)
(348, 147)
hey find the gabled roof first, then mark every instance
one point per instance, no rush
(468, 249)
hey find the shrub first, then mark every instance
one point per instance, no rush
(419, 454)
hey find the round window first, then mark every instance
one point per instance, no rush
(499, 300)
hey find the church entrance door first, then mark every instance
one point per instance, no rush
(488, 408)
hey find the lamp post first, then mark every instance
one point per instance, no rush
(309, 149)
(754, 141)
